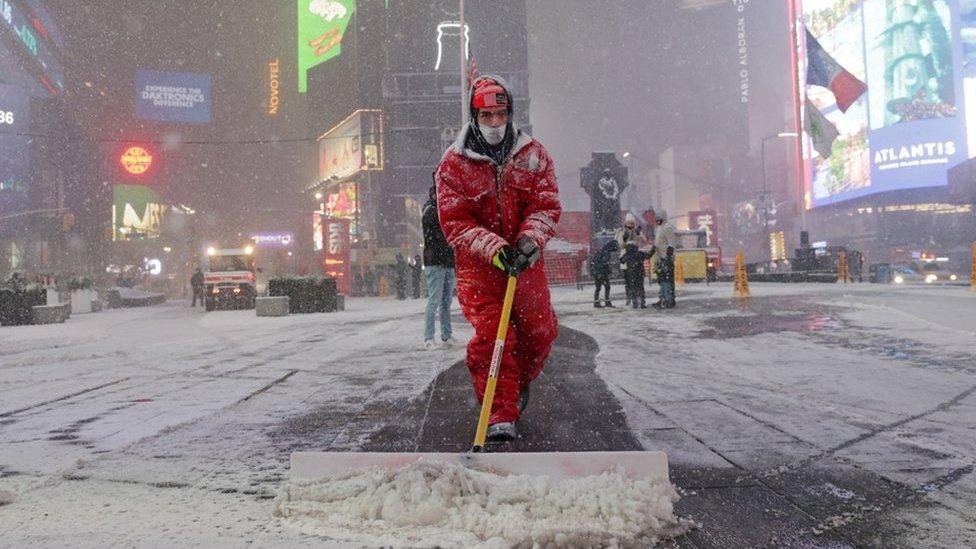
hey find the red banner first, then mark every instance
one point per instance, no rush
(705, 221)
(335, 252)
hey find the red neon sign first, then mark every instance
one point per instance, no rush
(136, 160)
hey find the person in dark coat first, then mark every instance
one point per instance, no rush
(196, 285)
(630, 237)
(633, 258)
(439, 271)
(401, 276)
(600, 269)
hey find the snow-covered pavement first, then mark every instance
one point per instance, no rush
(831, 412)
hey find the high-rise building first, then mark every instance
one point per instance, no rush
(388, 105)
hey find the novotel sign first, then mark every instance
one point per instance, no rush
(273, 240)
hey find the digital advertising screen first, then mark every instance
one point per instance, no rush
(37, 37)
(137, 212)
(321, 26)
(353, 145)
(916, 119)
(173, 96)
(14, 149)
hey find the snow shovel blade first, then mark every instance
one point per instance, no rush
(556, 465)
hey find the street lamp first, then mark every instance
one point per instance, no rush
(763, 196)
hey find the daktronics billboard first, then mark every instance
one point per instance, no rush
(173, 96)
(918, 59)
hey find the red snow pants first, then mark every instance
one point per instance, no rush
(532, 329)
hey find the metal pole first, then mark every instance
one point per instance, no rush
(801, 173)
(765, 214)
(464, 72)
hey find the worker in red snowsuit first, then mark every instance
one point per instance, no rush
(498, 205)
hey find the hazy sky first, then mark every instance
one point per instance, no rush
(618, 75)
(605, 75)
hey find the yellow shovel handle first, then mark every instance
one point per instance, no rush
(496, 361)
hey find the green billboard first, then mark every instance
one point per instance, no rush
(137, 213)
(321, 26)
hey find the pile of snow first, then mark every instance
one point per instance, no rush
(448, 505)
(7, 497)
(134, 293)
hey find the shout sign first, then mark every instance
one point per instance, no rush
(336, 261)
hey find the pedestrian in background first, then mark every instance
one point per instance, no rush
(664, 270)
(196, 286)
(439, 272)
(664, 238)
(400, 274)
(600, 270)
(629, 240)
(416, 271)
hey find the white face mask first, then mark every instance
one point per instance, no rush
(492, 135)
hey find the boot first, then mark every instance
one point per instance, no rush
(597, 304)
(501, 432)
(610, 304)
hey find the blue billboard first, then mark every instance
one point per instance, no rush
(911, 125)
(14, 151)
(173, 96)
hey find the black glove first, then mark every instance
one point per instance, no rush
(528, 253)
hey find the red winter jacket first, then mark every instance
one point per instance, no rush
(484, 207)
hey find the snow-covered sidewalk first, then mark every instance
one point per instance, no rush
(150, 426)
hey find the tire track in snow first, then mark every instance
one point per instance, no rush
(64, 397)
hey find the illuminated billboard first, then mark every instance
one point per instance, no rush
(910, 126)
(336, 255)
(14, 150)
(321, 26)
(173, 96)
(137, 213)
(317, 230)
(353, 145)
(136, 160)
(273, 240)
(35, 34)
